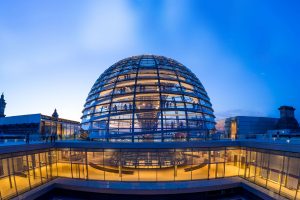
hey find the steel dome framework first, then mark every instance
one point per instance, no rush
(148, 98)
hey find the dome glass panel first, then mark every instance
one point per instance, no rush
(148, 98)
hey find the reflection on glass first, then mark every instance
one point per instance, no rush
(276, 171)
(148, 98)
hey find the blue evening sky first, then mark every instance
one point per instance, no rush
(245, 52)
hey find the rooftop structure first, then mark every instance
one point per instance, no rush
(248, 126)
(38, 127)
(55, 114)
(148, 98)
(255, 127)
(287, 118)
(269, 169)
(2, 106)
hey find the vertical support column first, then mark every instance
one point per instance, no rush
(133, 103)
(9, 176)
(248, 160)
(216, 165)
(256, 157)
(268, 172)
(40, 168)
(156, 169)
(225, 157)
(33, 165)
(287, 171)
(209, 161)
(120, 163)
(136, 164)
(46, 165)
(160, 102)
(298, 184)
(86, 165)
(71, 162)
(120, 169)
(13, 168)
(28, 171)
(239, 160)
(77, 169)
(282, 175)
(50, 162)
(184, 103)
(103, 161)
(110, 106)
(56, 153)
(246, 165)
(175, 163)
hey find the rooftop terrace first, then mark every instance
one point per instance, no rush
(270, 167)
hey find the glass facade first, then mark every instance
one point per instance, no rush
(274, 170)
(38, 127)
(148, 98)
(62, 128)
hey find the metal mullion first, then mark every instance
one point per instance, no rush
(209, 161)
(156, 169)
(120, 164)
(194, 85)
(50, 162)
(225, 157)
(136, 162)
(78, 169)
(86, 165)
(268, 170)
(103, 164)
(161, 102)
(184, 102)
(216, 171)
(249, 164)
(287, 171)
(46, 165)
(28, 171)
(110, 104)
(41, 175)
(133, 102)
(282, 174)
(255, 166)
(9, 172)
(298, 184)
(56, 153)
(70, 154)
(261, 163)
(239, 160)
(196, 151)
(13, 168)
(246, 164)
(174, 170)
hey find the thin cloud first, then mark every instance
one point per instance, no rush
(108, 26)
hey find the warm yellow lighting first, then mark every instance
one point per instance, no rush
(233, 130)
(149, 172)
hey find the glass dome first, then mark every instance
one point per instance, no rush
(148, 98)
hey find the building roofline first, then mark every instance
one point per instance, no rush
(252, 117)
(59, 119)
(41, 116)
